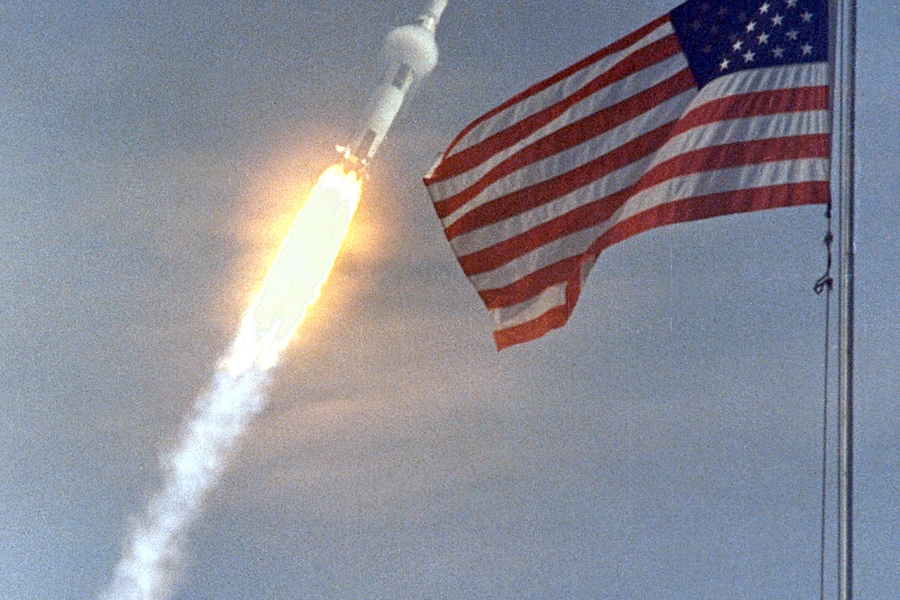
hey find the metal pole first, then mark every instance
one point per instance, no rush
(847, 82)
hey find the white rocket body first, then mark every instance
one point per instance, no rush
(411, 53)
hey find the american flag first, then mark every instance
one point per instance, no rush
(718, 107)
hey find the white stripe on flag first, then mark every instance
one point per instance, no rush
(735, 130)
(577, 156)
(600, 100)
(724, 180)
(617, 144)
(760, 80)
(530, 309)
(672, 190)
(563, 89)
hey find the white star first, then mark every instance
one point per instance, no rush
(763, 38)
(724, 64)
(776, 20)
(738, 45)
(778, 52)
(751, 26)
(764, 8)
(807, 49)
(792, 34)
(748, 56)
(807, 17)
(791, 3)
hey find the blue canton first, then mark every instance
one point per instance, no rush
(725, 36)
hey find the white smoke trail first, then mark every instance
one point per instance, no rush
(151, 562)
(150, 566)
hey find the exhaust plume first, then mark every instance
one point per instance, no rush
(151, 562)
(152, 559)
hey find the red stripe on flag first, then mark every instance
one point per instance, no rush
(755, 104)
(553, 318)
(525, 199)
(572, 135)
(583, 217)
(616, 46)
(689, 209)
(531, 330)
(592, 213)
(736, 155)
(715, 205)
(532, 284)
(478, 153)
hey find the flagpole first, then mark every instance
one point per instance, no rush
(847, 53)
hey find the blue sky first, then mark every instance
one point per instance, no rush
(664, 444)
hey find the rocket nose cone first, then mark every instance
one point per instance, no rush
(436, 8)
(432, 15)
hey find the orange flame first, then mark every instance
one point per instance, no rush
(298, 272)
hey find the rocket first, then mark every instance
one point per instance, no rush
(411, 53)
